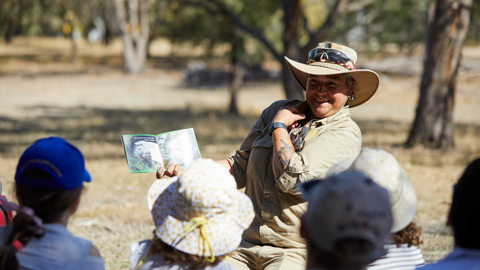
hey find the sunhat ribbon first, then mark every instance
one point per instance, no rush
(204, 240)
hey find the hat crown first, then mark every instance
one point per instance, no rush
(384, 169)
(200, 200)
(348, 205)
(56, 157)
(351, 53)
(205, 192)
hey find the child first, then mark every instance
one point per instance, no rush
(199, 217)
(347, 222)
(403, 250)
(48, 184)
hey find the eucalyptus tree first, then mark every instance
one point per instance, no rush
(446, 32)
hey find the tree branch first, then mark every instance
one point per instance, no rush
(223, 9)
(341, 6)
(338, 8)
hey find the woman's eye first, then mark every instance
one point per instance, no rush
(331, 84)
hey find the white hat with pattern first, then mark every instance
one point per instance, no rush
(200, 212)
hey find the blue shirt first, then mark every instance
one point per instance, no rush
(58, 249)
(459, 258)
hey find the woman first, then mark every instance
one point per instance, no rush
(292, 142)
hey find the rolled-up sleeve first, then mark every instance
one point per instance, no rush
(319, 154)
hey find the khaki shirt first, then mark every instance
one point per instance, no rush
(278, 203)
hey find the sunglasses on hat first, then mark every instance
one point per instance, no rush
(330, 56)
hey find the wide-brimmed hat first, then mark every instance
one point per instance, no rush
(200, 212)
(347, 206)
(58, 158)
(384, 169)
(329, 58)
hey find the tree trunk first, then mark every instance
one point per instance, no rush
(135, 30)
(433, 124)
(11, 21)
(290, 43)
(238, 70)
(238, 73)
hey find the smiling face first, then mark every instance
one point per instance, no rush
(327, 94)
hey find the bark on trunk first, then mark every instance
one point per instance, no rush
(135, 30)
(433, 124)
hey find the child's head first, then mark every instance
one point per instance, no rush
(200, 212)
(384, 169)
(49, 177)
(48, 183)
(347, 222)
(464, 214)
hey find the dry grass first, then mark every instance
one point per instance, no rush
(43, 94)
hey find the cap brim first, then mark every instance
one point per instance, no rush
(367, 81)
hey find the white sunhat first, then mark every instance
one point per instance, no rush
(329, 58)
(383, 168)
(200, 212)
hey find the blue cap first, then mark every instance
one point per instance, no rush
(56, 157)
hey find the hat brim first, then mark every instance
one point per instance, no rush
(224, 229)
(367, 80)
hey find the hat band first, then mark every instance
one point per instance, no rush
(203, 241)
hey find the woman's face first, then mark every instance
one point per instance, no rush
(327, 94)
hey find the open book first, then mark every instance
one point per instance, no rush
(148, 153)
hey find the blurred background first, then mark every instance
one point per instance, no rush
(90, 71)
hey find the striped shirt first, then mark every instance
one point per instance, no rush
(399, 258)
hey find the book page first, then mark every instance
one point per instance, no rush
(142, 152)
(179, 146)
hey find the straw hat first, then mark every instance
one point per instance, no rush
(367, 81)
(200, 212)
(384, 169)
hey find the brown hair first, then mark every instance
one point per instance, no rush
(172, 255)
(49, 205)
(410, 235)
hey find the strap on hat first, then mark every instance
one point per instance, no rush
(204, 240)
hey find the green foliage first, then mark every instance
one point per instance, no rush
(47, 17)
(473, 35)
(205, 24)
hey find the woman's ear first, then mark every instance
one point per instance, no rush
(351, 89)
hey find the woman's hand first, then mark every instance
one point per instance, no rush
(282, 144)
(172, 170)
(289, 116)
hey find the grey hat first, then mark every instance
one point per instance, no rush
(384, 169)
(344, 206)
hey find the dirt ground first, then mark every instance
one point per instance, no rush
(91, 102)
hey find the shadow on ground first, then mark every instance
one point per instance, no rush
(97, 127)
